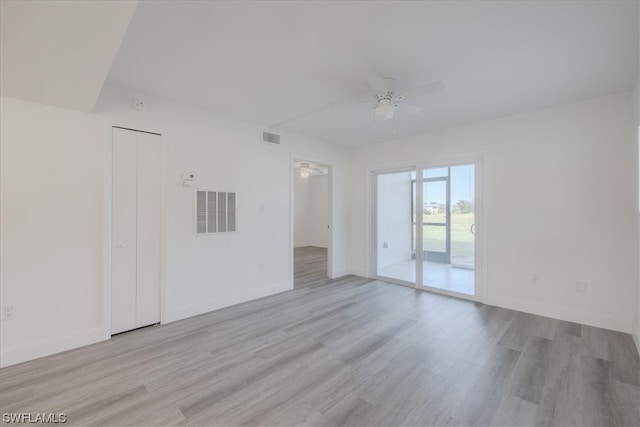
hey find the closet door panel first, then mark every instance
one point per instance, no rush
(148, 228)
(124, 231)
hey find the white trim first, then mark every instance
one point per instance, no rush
(419, 235)
(340, 273)
(227, 301)
(357, 271)
(559, 313)
(48, 346)
(106, 292)
(397, 282)
(107, 248)
(449, 293)
(331, 272)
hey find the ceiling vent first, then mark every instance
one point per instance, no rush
(270, 138)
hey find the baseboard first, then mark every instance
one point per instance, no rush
(339, 273)
(46, 347)
(357, 271)
(229, 300)
(584, 318)
(319, 245)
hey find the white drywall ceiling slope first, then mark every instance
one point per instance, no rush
(59, 52)
(267, 62)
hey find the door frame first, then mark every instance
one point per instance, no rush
(108, 214)
(302, 158)
(480, 266)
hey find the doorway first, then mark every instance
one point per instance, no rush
(135, 229)
(311, 191)
(425, 228)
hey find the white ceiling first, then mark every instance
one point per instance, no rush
(267, 62)
(59, 52)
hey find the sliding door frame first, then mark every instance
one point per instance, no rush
(480, 282)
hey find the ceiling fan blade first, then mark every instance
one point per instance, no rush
(359, 102)
(424, 90)
(410, 108)
(382, 85)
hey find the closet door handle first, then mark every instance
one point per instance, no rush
(121, 245)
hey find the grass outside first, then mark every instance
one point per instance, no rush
(461, 237)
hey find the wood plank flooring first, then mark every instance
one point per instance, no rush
(309, 266)
(352, 351)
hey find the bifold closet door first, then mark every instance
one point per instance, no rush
(148, 248)
(135, 259)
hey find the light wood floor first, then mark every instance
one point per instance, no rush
(309, 266)
(349, 352)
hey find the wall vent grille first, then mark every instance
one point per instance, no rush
(271, 138)
(215, 212)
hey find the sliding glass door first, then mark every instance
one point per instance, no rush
(448, 226)
(425, 228)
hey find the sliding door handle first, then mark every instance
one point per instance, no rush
(473, 229)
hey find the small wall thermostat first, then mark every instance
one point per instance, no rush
(189, 179)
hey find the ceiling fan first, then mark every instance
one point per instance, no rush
(383, 94)
(388, 102)
(307, 169)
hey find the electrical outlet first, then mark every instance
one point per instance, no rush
(535, 277)
(7, 312)
(260, 266)
(581, 287)
(385, 245)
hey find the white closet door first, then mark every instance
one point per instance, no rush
(149, 190)
(124, 231)
(136, 227)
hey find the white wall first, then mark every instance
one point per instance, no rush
(311, 211)
(52, 247)
(319, 211)
(52, 224)
(559, 190)
(394, 219)
(301, 211)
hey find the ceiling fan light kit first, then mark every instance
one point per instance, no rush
(306, 169)
(384, 110)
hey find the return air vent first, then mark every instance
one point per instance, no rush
(271, 138)
(215, 212)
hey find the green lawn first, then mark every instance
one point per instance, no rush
(461, 237)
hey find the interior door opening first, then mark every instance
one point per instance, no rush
(311, 223)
